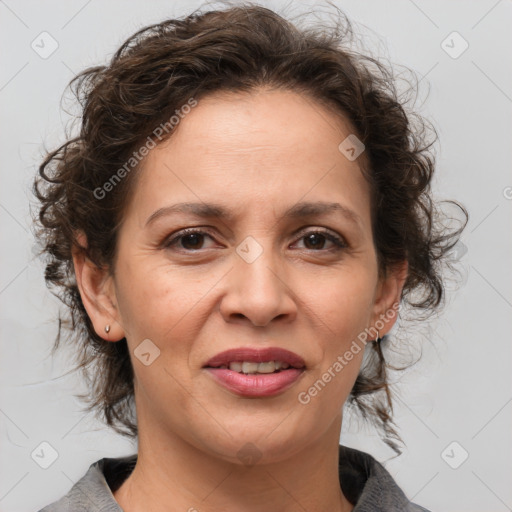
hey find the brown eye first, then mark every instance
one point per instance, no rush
(189, 240)
(315, 240)
(192, 240)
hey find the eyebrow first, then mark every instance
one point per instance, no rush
(217, 211)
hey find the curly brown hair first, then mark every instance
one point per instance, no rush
(155, 72)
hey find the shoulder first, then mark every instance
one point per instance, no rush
(367, 484)
(93, 492)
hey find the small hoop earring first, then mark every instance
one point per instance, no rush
(107, 329)
(379, 339)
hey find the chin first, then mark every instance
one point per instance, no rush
(258, 445)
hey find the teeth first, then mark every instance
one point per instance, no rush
(251, 367)
(269, 367)
(236, 367)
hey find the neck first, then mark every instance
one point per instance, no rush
(181, 477)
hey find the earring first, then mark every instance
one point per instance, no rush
(107, 329)
(378, 340)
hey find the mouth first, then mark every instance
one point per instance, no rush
(249, 360)
(252, 368)
(256, 372)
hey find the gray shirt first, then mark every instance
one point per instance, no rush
(363, 480)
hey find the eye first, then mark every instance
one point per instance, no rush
(316, 240)
(189, 237)
(191, 240)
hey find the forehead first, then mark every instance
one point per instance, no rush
(264, 122)
(264, 147)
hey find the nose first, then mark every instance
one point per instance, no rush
(257, 287)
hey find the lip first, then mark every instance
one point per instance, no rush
(256, 385)
(259, 355)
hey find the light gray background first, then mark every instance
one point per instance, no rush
(460, 390)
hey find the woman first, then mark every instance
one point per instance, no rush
(234, 229)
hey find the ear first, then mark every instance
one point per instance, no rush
(97, 290)
(387, 298)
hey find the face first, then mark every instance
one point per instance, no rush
(259, 277)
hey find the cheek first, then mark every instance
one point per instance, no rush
(153, 298)
(347, 311)
(166, 306)
(350, 315)
(345, 301)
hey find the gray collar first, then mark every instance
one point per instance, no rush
(364, 481)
